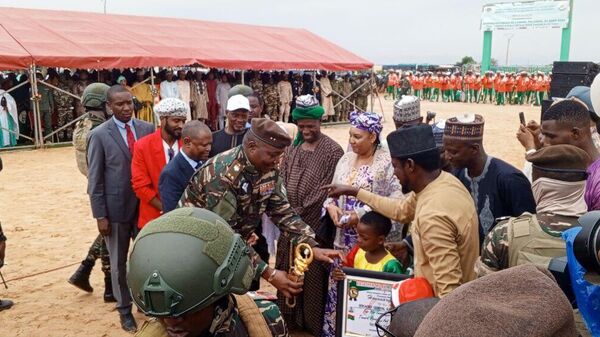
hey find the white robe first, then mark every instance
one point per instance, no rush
(5, 115)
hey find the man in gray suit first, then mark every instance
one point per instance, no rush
(114, 204)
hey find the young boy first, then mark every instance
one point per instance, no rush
(369, 252)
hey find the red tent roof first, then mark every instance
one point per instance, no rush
(92, 40)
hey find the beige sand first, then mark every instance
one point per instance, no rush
(45, 213)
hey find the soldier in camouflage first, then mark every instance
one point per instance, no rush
(242, 184)
(208, 297)
(346, 105)
(336, 85)
(362, 94)
(78, 88)
(64, 107)
(94, 101)
(559, 176)
(46, 104)
(271, 98)
(256, 83)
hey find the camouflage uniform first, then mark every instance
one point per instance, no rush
(494, 254)
(99, 250)
(78, 89)
(230, 186)
(337, 85)
(362, 94)
(271, 98)
(228, 321)
(64, 106)
(346, 106)
(257, 85)
(46, 107)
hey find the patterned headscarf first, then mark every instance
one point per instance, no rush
(368, 121)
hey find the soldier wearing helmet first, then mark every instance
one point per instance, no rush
(94, 101)
(199, 288)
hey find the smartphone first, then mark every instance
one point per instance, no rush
(522, 118)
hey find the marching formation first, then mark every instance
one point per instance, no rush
(491, 87)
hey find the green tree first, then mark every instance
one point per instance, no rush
(465, 61)
(494, 62)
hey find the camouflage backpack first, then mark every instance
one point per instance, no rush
(93, 98)
(80, 140)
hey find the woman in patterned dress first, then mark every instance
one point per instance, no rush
(367, 166)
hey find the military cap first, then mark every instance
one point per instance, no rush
(560, 158)
(412, 140)
(268, 132)
(465, 127)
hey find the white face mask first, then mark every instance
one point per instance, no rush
(559, 197)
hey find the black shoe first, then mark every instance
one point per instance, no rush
(5, 304)
(108, 292)
(128, 322)
(81, 278)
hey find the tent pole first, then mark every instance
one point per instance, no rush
(371, 81)
(152, 77)
(242, 77)
(37, 129)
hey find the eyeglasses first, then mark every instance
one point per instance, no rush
(384, 332)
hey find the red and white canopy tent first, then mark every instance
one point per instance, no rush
(30, 38)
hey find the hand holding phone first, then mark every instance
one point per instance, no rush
(522, 118)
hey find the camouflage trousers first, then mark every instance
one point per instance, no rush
(272, 109)
(65, 116)
(361, 102)
(99, 250)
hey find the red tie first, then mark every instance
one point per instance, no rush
(130, 138)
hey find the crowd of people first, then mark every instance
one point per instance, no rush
(492, 87)
(204, 91)
(428, 201)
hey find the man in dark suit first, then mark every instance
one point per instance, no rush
(114, 204)
(197, 142)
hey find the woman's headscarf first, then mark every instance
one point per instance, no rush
(368, 121)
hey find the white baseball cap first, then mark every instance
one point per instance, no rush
(237, 102)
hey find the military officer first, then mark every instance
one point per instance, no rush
(199, 288)
(244, 183)
(271, 98)
(336, 85)
(64, 106)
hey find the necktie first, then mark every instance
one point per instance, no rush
(130, 138)
(171, 153)
(198, 165)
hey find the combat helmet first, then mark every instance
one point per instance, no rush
(186, 260)
(94, 96)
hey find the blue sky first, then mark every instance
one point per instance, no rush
(383, 31)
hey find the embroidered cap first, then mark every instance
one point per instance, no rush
(464, 127)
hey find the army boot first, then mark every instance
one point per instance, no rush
(108, 291)
(81, 277)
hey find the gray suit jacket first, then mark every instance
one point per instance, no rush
(109, 172)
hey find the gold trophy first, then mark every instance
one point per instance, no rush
(303, 256)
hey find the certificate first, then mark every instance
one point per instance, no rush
(363, 296)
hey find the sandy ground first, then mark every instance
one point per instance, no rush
(46, 216)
